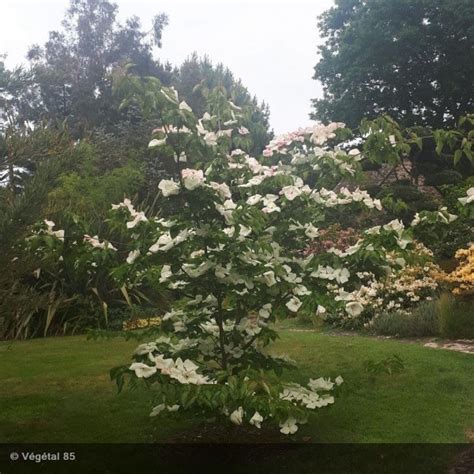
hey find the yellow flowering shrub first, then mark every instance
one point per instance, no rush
(141, 323)
(461, 280)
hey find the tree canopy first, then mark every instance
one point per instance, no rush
(197, 77)
(74, 67)
(412, 59)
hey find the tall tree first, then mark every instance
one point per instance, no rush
(412, 59)
(18, 102)
(197, 77)
(74, 66)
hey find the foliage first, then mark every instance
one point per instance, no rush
(89, 195)
(459, 141)
(65, 181)
(197, 78)
(456, 317)
(445, 232)
(407, 58)
(421, 321)
(422, 156)
(390, 365)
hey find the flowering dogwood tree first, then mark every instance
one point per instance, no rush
(227, 245)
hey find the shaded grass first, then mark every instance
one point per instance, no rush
(58, 390)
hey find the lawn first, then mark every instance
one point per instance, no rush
(58, 390)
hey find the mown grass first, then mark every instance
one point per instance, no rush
(58, 390)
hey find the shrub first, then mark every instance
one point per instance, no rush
(461, 280)
(90, 194)
(445, 177)
(401, 290)
(422, 321)
(456, 317)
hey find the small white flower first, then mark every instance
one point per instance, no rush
(289, 426)
(395, 225)
(244, 231)
(166, 273)
(146, 348)
(132, 256)
(168, 187)
(164, 243)
(173, 408)
(402, 243)
(155, 142)
(320, 384)
(265, 311)
(142, 371)
(256, 420)
(469, 197)
(229, 231)
(192, 178)
(237, 416)
(236, 107)
(255, 199)
(291, 192)
(269, 278)
(137, 217)
(339, 380)
(354, 308)
(311, 231)
(210, 138)
(222, 189)
(184, 106)
(321, 310)
(243, 131)
(294, 304)
(59, 234)
(224, 133)
(157, 410)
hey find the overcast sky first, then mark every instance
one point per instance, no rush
(270, 44)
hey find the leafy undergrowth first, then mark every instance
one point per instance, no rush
(58, 390)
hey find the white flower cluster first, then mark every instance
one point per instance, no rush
(441, 216)
(96, 243)
(59, 234)
(469, 197)
(309, 398)
(185, 372)
(317, 134)
(136, 215)
(330, 198)
(166, 242)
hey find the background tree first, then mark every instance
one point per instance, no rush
(18, 100)
(74, 67)
(197, 77)
(412, 59)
